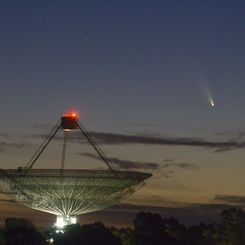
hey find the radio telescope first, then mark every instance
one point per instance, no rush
(69, 192)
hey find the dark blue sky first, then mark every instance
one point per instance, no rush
(140, 60)
(132, 67)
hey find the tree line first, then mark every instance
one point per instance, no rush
(148, 229)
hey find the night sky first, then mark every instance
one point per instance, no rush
(142, 75)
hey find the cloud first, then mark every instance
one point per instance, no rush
(126, 164)
(232, 134)
(188, 166)
(10, 141)
(165, 169)
(4, 135)
(169, 163)
(44, 126)
(230, 199)
(168, 167)
(218, 146)
(7, 145)
(150, 125)
(123, 139)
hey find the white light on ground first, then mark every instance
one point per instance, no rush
(73, 220)
(63, 221)
(60, 222)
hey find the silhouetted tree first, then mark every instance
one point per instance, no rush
(125, 235)
(231, 230)
(93, 234)
(71, 235)
(97, 233)
(201, 234)
(174, 229)
(1, 236)
(149, 230)
(21, 231)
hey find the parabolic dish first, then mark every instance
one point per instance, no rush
(69, 192)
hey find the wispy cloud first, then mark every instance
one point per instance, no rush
(218, 146)
(150, 125)
(232, 134)
(123, 139)
(170, 163)
(230, 199)
(126, 164)
(7, 145)
(165, 169)
(44, 126)
(11, 141)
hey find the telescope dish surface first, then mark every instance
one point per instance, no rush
(70, 192)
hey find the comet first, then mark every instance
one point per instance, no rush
(211, 101)
(204, 86)
(207, 93)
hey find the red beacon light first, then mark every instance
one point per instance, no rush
(69, 121)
